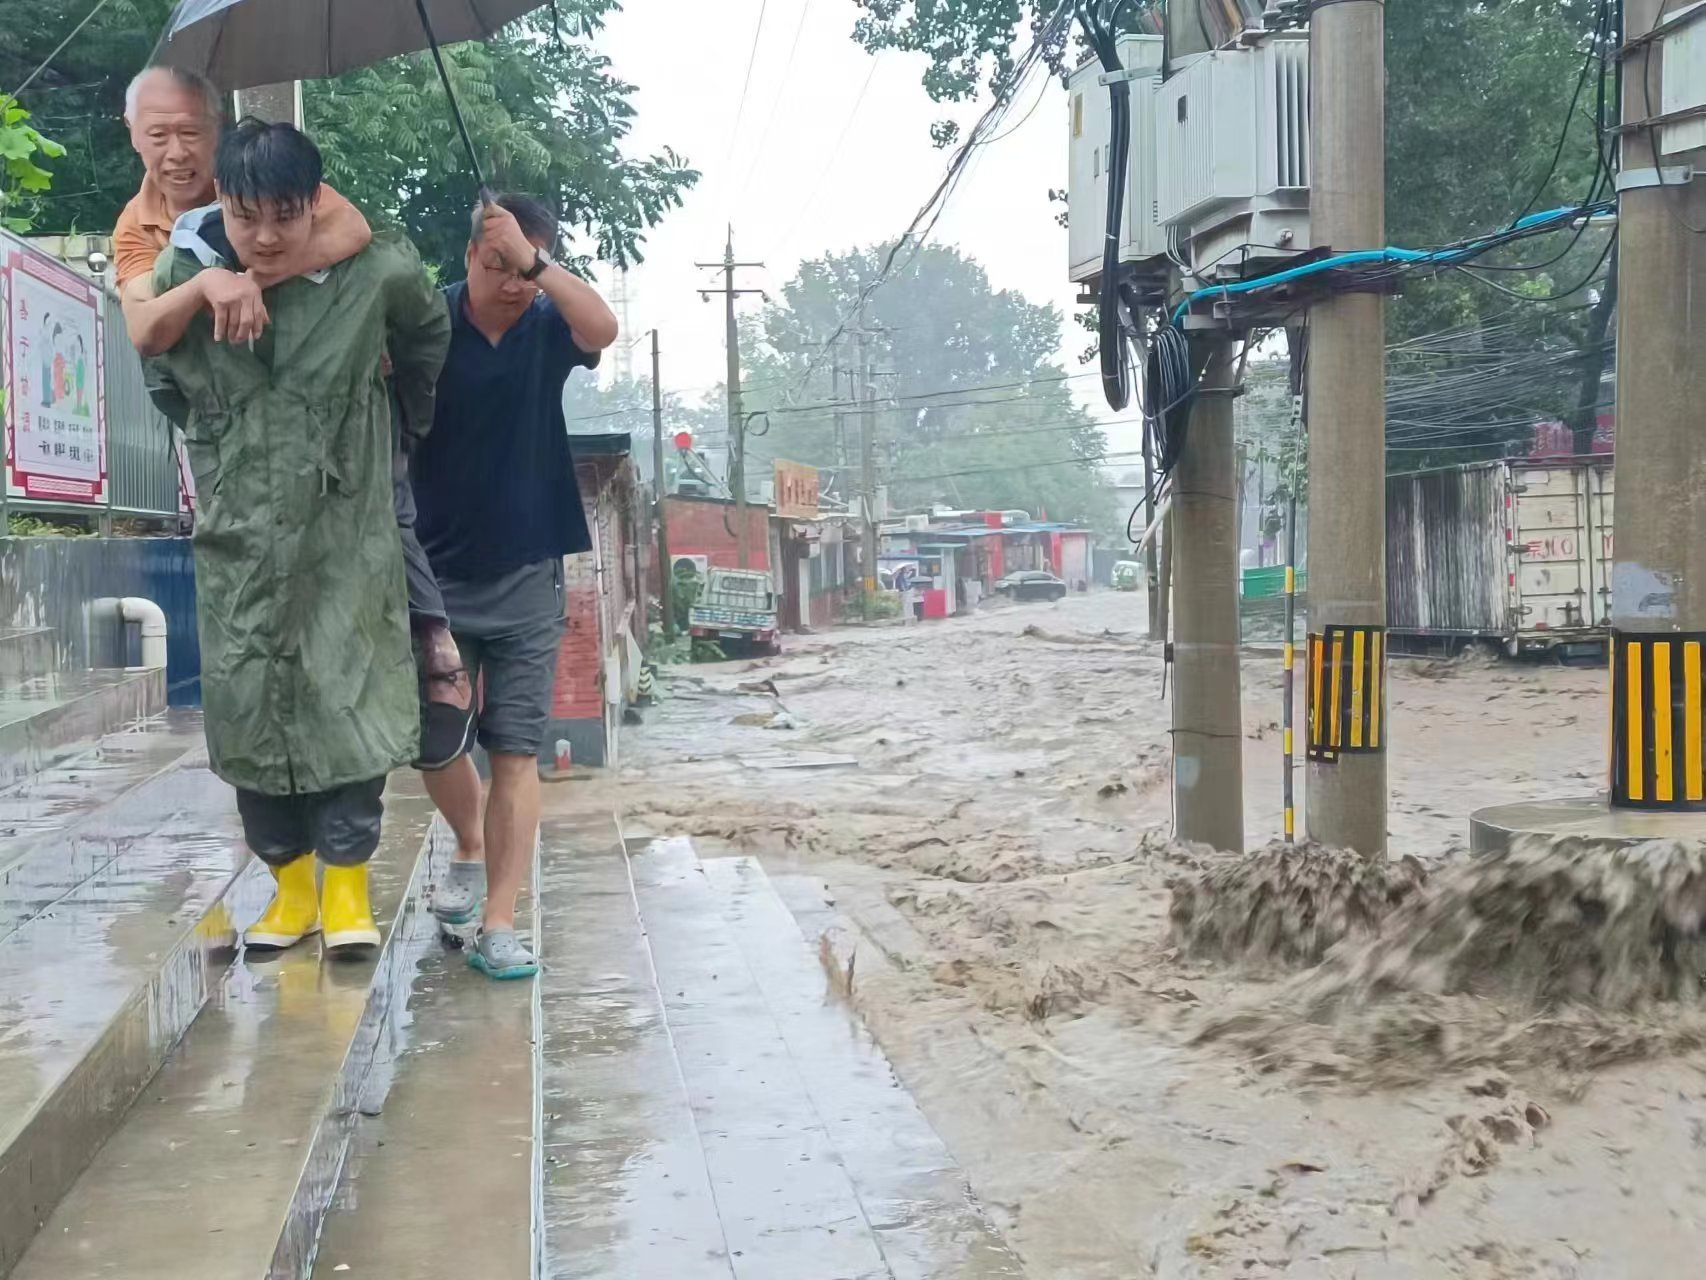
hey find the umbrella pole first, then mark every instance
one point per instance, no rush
(450, 96)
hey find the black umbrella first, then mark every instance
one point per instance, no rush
(238, 44)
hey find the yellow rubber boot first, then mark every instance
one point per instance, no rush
(295, 911)
(344, 911)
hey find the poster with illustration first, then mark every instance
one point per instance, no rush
(54, 379)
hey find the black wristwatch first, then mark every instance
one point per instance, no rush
(541, 260)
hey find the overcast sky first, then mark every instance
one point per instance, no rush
(789, 197)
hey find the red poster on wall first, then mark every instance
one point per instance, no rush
(53, 376)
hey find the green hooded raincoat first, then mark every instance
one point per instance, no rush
(308, 681)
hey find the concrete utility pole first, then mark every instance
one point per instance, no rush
(840, 421)
(868, 469)
(275, 103)
(1164, 577)
(666, 579)
(737, 419)
(1208, 721)
(1151, 570)
(1346, 797)
(1658, 586)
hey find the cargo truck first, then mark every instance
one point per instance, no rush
(1516, 552)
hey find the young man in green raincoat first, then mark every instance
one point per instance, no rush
(308, 680)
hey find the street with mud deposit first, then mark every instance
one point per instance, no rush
(973, 816)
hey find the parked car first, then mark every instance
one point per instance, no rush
(1032, 584)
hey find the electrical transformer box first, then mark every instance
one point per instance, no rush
(1141, 236)
(1232, 154)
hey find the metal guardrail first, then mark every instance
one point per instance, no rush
(142, 463)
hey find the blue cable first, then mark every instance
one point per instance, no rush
(1388, 254)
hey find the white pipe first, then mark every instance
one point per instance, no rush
(153, 622)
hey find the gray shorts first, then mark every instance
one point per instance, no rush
(508, 630)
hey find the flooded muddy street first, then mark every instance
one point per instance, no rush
(975, 815)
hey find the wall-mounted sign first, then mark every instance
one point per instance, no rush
(53, 375)
(796, 491)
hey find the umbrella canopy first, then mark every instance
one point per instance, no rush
(239, 44)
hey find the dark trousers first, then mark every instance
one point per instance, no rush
(426, 602)
(341, 825)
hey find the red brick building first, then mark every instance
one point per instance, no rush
(706, 527)
(598, 663)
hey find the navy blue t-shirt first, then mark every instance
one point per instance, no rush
(495, 480)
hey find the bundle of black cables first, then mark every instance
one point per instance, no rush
(1116, 306)
(1169, 387)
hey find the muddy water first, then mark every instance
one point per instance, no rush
(984, 803)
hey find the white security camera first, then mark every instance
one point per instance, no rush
(97, 262)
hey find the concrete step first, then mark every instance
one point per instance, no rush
(625, 1188)
(50, 718)
(922, 1212)
(440, 1179)
(225, 1167)
(710, 1111)
(101, 971)
(56, 828)
(25, 653)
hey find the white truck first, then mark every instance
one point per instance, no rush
(1516, 551)
(737, 609)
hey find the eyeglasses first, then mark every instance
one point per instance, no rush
(494, 266)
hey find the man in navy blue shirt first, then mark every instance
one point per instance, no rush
(499, 508)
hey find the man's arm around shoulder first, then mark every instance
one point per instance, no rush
(157, 320)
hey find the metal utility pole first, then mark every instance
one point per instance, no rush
(666, 579)
(1346, 794)
(868, 470)
(737, 419)
(1208, 721)
(1658, 583)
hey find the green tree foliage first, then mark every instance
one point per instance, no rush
(79, 100)
(971, 409)
(22, 179)
(548, 118)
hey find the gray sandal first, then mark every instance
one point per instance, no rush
(498, 953)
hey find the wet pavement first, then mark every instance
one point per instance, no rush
(101, 970)
(624, 1189)
(440, 1176)
(712, 1110)
(51, 804)
(682, 1092)
(225, 1166)
(49, 718)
